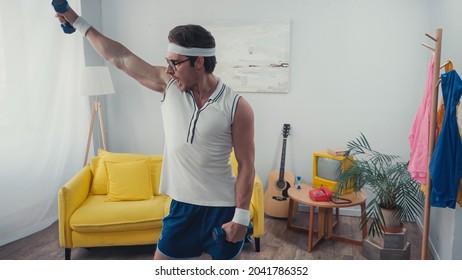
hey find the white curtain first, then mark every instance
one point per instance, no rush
(43, 119)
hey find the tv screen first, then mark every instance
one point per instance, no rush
(328, 168)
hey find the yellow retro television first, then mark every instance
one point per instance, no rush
(326, 169)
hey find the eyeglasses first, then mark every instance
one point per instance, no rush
(174, 63)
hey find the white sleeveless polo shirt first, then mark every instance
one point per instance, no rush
(196, 167)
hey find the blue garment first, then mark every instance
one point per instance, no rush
(446, 162)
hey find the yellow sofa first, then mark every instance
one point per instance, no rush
(95, 213)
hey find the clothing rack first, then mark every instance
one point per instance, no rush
(431, 143)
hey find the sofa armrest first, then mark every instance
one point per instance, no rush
(258, 218)
(70, 197)
(168, 201)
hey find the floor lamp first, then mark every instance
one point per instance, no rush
(96, 80)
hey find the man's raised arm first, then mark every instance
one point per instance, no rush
(152, 77)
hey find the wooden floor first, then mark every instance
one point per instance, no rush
(278, 243)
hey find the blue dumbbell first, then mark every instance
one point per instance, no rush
(62, 6)
(219, 235)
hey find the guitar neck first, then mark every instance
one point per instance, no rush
(283, 160)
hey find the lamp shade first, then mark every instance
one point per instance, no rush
(96, 80)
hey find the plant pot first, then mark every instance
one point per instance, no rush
(392, 225)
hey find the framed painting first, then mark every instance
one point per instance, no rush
(253, 56)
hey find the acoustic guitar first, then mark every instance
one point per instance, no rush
(276, 198)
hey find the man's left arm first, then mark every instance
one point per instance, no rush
(244, 150)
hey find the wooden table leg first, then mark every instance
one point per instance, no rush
(321, 229)
(291, 213)
(321, 222)
(329, 218)
(310, 230)
(363, 230)
(295, 207)
(363, 218)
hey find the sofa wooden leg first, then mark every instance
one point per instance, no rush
(257, 244)
(67, 253)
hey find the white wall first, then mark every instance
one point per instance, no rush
(353, 69)
(356, 66)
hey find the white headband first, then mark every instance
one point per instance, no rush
(174, 48)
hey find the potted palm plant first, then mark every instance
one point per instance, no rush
(388, 179)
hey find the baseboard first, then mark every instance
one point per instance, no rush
(430, 243)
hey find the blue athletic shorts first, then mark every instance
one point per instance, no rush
(187, 232)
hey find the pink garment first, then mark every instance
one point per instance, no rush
(420, 132)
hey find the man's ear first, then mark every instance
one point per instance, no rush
(199, 63)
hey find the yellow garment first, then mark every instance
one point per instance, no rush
(440, 119)
(440, 114)
(423, 188)
(448, 66)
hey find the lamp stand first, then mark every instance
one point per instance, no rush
(95, 108)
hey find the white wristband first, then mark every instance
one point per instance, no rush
(81, 25)
(241, 216)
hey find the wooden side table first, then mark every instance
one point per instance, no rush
(325, 215)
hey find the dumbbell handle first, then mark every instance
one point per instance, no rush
(219, 234)
(62, 6)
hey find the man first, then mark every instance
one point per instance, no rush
(203, 120)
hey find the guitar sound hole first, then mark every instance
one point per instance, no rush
(285, 192)
(281, 185)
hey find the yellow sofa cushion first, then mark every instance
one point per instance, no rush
(128, 180)
(98, 169)
(97, 214)
(99, 183)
